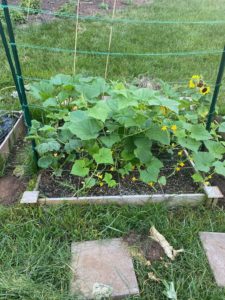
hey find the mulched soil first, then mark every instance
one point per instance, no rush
(87, 8)
(12, 187)
(150, 249)
(68, 185)
(7, 122)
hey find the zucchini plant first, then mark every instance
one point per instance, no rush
(98, 129)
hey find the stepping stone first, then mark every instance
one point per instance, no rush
(103, 263)
(214, 246)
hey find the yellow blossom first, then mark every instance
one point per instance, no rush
(174, 127)
(132, 168)
(74, 108)
(55, 154)
(180, 153)
(164, 128)
(197, 77)
(192, 85)
(112, 169)
(210, 177)
(101, 184)
(134, 179)
(100, 176)
(182, 164)
(178, 169)
(205, 90)
(151, 184)
(207, 183)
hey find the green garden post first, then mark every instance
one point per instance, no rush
(11, 65)
(216, 91)
(17, 63)
(18, 73)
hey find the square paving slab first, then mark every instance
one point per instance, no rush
(106, 262)
(214, 245)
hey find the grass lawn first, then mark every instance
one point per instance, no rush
(132, 38)
(35, 248)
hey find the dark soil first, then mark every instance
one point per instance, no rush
(68, 185)
(87, 7)
(12, 187)
(7, 122)
(151, 250)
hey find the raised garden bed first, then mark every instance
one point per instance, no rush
(180, 190)
(11, 128)
(110, 142)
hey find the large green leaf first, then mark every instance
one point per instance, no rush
(110, 140)
(189, 143)
(50, 102)
(100, 111)
(45, 161)
(151, 174)
(61, 79)
(42, 90)
(203, 160)
(109, 180)
(93, 88)
(215, 148)
(83, 126)
(104, 156)
(143, 150)
(222, 127)
(49, 146)
(199, 133)
(162, 101)
(79, 168)
(156, 134)
(72, 145)
(130, 118)
(144, 94)
(220, 167)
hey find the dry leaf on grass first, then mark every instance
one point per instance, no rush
(153, 277)
(168, 249)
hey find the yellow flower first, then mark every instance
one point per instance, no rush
(192, 85)
(151, 184)
(207, 183)
(132, 168)
(134, 179)
(178, 169)
(210, 177)
(174, 127)
(197, 77)
(101, 184)
(112, 169)
(55, 154)
(205, 90)
(100, 176)
(180, 153)
(182, 164)
(74, 108)
(164, 128)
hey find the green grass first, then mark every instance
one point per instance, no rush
(134, 38)
(35, 248)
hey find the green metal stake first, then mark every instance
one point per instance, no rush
(19, 79)
(17, 63)
(216, 91)
(11, 65)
